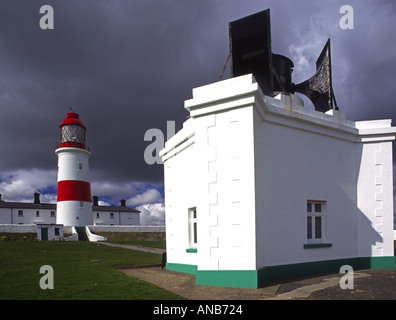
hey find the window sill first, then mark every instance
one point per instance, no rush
(192, 250)
(317, 245)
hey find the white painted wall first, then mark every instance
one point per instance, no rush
(118, 218)
(10, 216)
(5, 216)
(50, 232)
(293, 166)
(29, 216)
(183, 177)
(375, 201)
(212, 170)
(74, 213)
(250, 163)
(68, 163)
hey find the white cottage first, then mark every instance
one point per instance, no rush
(260, 188)
(53, 232)
(25, 213)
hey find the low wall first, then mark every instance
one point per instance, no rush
(107, 228)
(97, 232)
(129, 233)
(94, 237)
(32, 228)
(18, 228)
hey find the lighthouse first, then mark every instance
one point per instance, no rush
(74, 206)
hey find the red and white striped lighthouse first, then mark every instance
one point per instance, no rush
(74, 206)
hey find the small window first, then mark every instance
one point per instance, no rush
(111, 215)
(52, 214)
(20, 213)
(193, 227)
(57, 231)
(315, 221)
(37, 213)
(79, 166)
(97, 215)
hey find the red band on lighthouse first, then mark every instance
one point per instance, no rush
(74, 190)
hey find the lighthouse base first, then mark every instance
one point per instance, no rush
(74, 213)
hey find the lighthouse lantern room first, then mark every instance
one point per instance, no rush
(72, 131)
(74, 206)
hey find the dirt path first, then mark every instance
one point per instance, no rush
(184, 285)
(132, 247)
(368, 284)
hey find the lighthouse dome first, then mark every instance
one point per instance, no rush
(72, 131)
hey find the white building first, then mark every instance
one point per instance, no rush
(114, 215)
(51, 232)
(260, 188)
(25, 213)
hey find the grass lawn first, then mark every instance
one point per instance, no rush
(82, 270)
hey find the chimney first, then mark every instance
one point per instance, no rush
(95, 201)
(123, 203)
(36, 198)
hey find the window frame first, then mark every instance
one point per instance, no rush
(192, 227)
(315, 215)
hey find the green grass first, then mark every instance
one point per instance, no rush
(82, 270)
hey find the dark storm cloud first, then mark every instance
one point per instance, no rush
(369, 54)
(127, 66)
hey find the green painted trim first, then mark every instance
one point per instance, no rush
(279, 272)
(191, 250)
(228, 278)
(317, 245)
(382, 262)
(258, 278)
(184, 268)
(274, 273)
